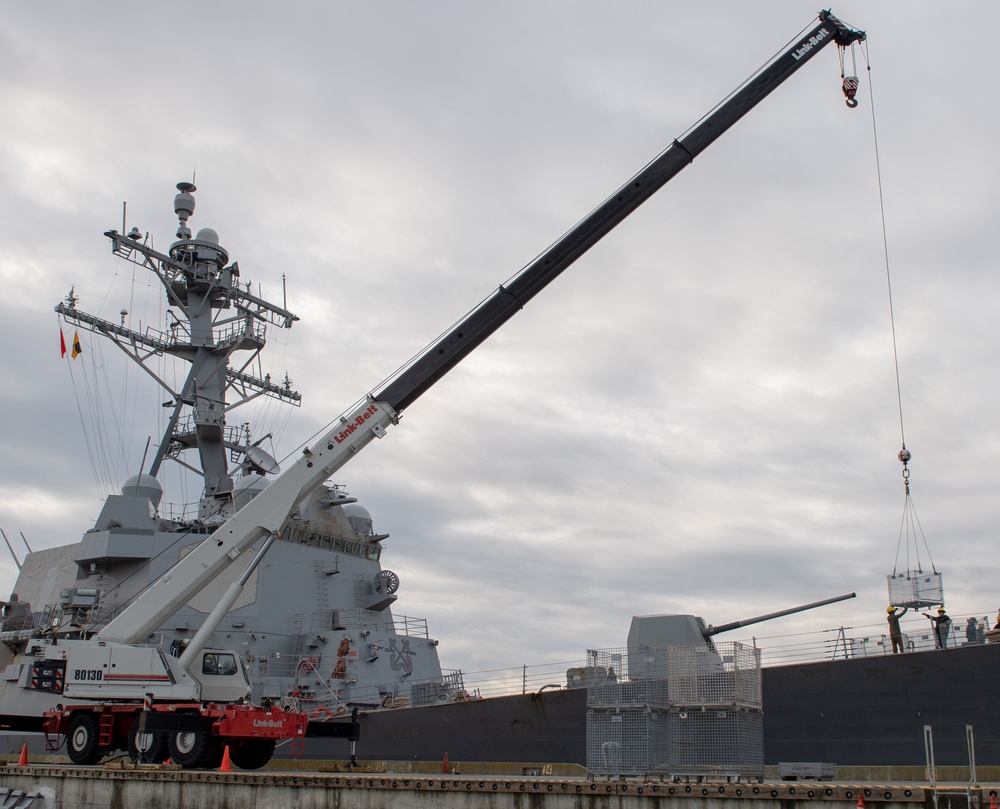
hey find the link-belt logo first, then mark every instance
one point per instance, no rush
(809, 44)
(267, 723)
(342, 436)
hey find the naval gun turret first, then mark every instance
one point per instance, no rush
(662, 631)
(661, 644)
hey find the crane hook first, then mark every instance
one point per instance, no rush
(851, 90)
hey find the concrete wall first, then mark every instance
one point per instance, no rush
(94, 788)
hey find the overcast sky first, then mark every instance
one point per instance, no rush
(699, 416)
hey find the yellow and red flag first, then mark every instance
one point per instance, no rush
(77, 348)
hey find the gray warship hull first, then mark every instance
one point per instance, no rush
(860, 712)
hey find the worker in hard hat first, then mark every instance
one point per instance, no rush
(942, 626)
(895, 635)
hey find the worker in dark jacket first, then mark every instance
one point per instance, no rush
(895, 635)
(942, 626)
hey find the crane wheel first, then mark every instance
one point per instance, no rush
(83, 741)
(149, 746)
(251, 754)
(193, 749)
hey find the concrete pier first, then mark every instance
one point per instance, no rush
(48, 787)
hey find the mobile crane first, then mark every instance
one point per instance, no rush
(101, 690)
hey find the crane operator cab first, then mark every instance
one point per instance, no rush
(221, 675)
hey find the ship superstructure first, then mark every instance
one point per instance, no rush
(314, 620)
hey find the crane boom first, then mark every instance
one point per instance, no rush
(509, 299)
(267, 512)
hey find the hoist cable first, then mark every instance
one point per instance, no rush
(885, 247)
(910, 524)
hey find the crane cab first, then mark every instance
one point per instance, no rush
(222, 676)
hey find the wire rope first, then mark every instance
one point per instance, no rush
(910, 524)
(885, 249)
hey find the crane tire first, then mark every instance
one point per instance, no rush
(150, 746)
(83, 741)
(251, 754)
(195, 749)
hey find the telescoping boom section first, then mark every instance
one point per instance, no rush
(268, 511)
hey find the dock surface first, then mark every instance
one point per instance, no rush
(46, 787)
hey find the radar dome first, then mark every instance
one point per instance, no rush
(207, 235)
(143, 486)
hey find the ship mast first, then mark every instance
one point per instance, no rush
(213, 317)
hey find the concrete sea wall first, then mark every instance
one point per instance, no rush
(43, 787)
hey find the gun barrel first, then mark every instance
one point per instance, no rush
(715, 630)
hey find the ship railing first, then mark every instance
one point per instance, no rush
(101, 615)
(179, 335)
(448, 688)
(301, 532)
(237, 332)
(411, 627)
(232, 434)
(849, 642)
(519, 680)
(180, 513)
(378, 621)
(838, 643)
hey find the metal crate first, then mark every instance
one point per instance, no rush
(715, 742)
(720, 674)
(716, 674)
(625, 743)
(915, 588)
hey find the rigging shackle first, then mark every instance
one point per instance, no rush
(904, 456)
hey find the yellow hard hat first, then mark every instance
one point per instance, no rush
(890, 608)
(940, 609)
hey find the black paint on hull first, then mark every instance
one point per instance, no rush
(860, 712)
(872, 711)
